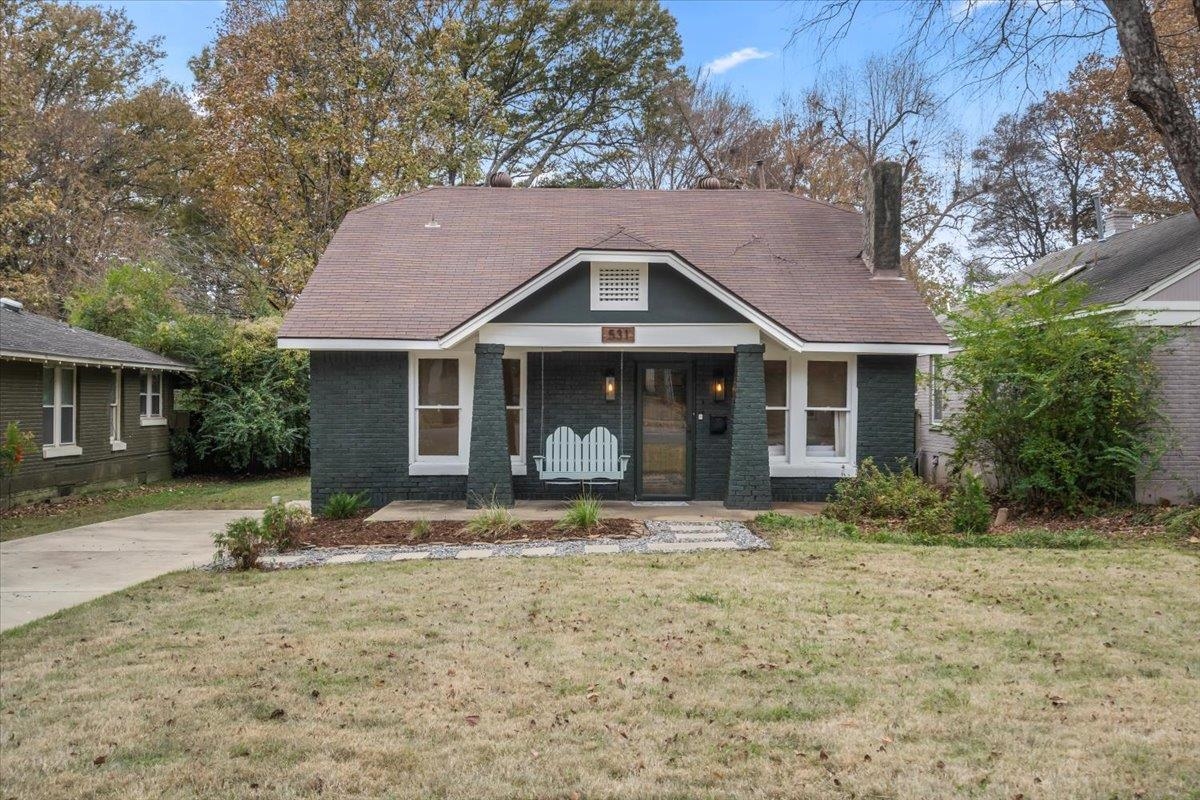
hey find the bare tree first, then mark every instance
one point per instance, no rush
(993, 40)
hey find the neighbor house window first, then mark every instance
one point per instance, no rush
(775, 374)
(514, 396)
(58, 409)
(114, 407)
(937, 392)
(827, 411)
(150, 398)
(438, 407)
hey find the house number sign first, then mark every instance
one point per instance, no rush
(611, 334)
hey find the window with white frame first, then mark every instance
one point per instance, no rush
(514, 406)
(114, 407)
(150, 396)
(620, 287)
(827, 409)
(58, 406)
(937, 392)
(775, 374)
(438, 408)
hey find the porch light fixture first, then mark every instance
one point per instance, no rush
(610, 386)
(718, 386)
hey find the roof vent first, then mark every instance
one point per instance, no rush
(501, 180)
(709, 182)
(8, 302)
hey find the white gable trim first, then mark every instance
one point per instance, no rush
(630, 257)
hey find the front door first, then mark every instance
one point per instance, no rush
(664, 440)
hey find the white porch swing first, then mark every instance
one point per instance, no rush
(594, 459)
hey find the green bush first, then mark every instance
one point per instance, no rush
(582, 515)
(885, 494)
(420, 530)
(280, 525)
(1060, 403)
(341, 505)
(493, 520)
(969, 507)
(242, 540)
(1182, 521)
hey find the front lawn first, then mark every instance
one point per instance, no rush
(821, 668)
(249, 493)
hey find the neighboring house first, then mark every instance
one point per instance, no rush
(1151, 272)
(479, 342)
(97, 407)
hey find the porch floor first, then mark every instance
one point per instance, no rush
(694, 511)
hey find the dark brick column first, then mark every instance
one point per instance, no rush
(489, 472)
(749, 464)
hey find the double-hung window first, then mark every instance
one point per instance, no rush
(58, 412)
(114, 410)
(150, 399)
(937, 392)
(438, 408)
(514, 408)
(775, 374)
(827, 412)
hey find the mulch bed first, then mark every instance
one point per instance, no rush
(356, 531)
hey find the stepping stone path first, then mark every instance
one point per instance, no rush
(662, 537)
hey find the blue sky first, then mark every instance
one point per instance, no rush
(745, 41)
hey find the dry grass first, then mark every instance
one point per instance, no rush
(821, 669)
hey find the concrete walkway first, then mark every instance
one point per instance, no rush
(529, 510)
(51, 571)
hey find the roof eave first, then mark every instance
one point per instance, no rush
(50, 358)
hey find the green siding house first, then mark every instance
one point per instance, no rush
(99, 408)
(479, 343)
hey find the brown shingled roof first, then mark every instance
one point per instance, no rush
(385, 275)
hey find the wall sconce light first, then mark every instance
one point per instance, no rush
(718, 386)
(610, 386)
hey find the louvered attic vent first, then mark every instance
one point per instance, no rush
(619, 287)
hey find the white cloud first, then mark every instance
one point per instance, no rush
(734, 59)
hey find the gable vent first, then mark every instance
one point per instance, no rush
(619, 287)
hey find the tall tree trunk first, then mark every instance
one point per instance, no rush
(1152, 89)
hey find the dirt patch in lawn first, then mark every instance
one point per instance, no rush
(356, 531)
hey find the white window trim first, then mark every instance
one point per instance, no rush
(519, 460)
(782, 458)
(147, 419)
(798, 463)
(935, 419)
(442, 465)
(55, 448)
(643, 301)
(117, 442)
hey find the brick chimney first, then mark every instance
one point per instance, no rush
(1117, 220)
(881, 206)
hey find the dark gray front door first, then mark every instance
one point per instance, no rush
(664, 440)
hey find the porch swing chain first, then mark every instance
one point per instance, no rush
(621, 389)
(542, 409)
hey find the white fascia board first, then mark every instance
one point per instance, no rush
(90, 362)
(654, 336)
(883, 349)
(368, 345)
(640, 257)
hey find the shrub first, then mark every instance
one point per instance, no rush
(1183, 521)
(493, 520)
(13, 446)
(969, 507)
(341, 505)
(882, 494)
(420, 530)
(582, 515)
(1059, 402)
(242, 540)
(281, 524)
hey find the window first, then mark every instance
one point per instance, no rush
(775, 374)
(114, 409)
(514, 396)
(937, 392)
(620, 287)
(150, 398)
(438, 407)
(58, 411)
(827, 412)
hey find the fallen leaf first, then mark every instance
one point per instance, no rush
(278, 713)
(98, 760)
(472, 719)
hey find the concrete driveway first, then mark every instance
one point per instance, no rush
(51, 571)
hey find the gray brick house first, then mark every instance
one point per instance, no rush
(1152, 274)
(98, 408)
(478, 342)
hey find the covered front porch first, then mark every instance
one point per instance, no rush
(532, 510)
